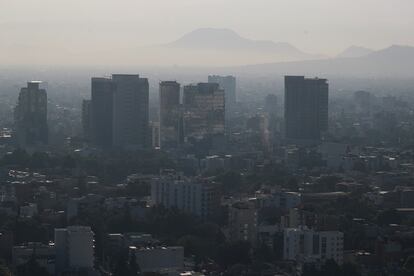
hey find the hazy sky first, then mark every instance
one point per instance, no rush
(316, 26)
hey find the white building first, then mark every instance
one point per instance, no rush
(193, 195)
(305, 245)
(74, 248)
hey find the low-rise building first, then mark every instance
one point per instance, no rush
(243, 220)
(193, 195)
(307, 246)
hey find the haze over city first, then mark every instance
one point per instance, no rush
(46, 32)
(206, 138)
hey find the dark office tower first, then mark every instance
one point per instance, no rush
(271, 121)
(228, 83)
(306, 107)
(31, 116)
(204, 107)
(86, 119)
(131, 122)
(102, 112)
(270, 105)
(169, 113)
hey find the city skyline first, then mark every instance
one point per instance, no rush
(206, 137)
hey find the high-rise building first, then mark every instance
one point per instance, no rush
(228, 83)
(306, 107)
(170, 113)
(74, 247)
(204, 110)
(270, 105)
(30, 116)
(101, 112)
(86, 119)
(272, 127)
(131, 103)
(155, 134)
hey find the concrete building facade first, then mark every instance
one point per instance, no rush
(74, 248)
(305, 245)
(306, 108)
(193, 195)
(204, 110)
(243, 221)
(101, 112)
(131, 117)
(228, 83)
(30, 116)
(170, 114)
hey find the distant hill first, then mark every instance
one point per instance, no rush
(394, 61)
(228, 40)
(226, 46)
(355, 51)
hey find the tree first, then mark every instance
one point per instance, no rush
(389, 216)
(330, 268)
(4, 270)
(133, 265)
(39, 160)
(32, 268)
(349, 269)
(310, 270)
(409, 265)
(30, 230)
(122, 267)
(230, 181)
(264, 253)
(68, 162)
(18, 157)
(234, 253)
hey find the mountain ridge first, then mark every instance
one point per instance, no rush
(228, 40)
(355, 51)
(396, 60)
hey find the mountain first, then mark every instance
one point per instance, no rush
(226, 46)
(394, 61)
(355, 51)
(225, 39)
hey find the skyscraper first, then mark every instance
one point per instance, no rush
(228, 83)
(169, 113)
(130, 120)
(30, 116)
(204, 110)
(86, 119)
(102, 90)
(306, 107)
